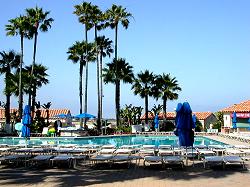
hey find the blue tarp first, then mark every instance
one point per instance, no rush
(185, 125)
(26, 121)
(156, 121)
(234, 120)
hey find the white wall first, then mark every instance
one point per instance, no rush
(227, 120)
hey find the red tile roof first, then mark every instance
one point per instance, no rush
(150, 116)
(202, 115)
(171, 115)
(241, 107)
(52, 112)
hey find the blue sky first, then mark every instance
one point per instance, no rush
(204, 44)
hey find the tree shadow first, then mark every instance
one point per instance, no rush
(84, 175)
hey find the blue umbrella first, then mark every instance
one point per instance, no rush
(177, 110)
(184, 125)
(234, 120)
(194, 120)
(84, 115)
(156, 121)
(26, 120)
(249, 122)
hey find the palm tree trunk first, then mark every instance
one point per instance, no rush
(86, 77)
(98, 87)
(32, 68)
(117, 82)
(20, 92)
(7, 107)
(116, 38)
(80, 89)
(33, 100)
(146, 109)
(117, 102)
(101, 89)
(47, 116)
(164, 108)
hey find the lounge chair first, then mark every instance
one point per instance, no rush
(109, 146)
(173, 160)
(213, 160)
(152, 159)
(124, 151)
(233, 152)
(205, 152)
(41, 159)
(100, 159)
(106, 151)
(121, 159)
(233, 160)
(63, 158)
(15, 159)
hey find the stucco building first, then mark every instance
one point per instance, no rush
(242, 113)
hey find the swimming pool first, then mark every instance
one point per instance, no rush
(114, 140)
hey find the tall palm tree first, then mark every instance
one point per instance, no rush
(142, 85)
(83, 11)
(38, 20)
(104, 48)
(118, 70)
(96, 20)
(19, 26)
(39, 78)
(77, 54)
(167, 88)
(117, 14)
(8, 61)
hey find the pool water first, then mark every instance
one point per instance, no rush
(114, 140)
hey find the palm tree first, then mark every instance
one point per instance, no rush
(142, 85)
(117, 14)
(19, 26)
(104, 48)
(47, 106)
(96, 20)
(156, 109)
(38, 20)
(77, 54)
(83, 11)
(124, 72)
(167, 88)
(8, 61)
(38, 79)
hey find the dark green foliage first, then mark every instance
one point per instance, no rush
(220, 121)
(198, 127)
(167, 126)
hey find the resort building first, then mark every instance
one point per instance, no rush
(52, 113)
(205, 118)
(242, 117)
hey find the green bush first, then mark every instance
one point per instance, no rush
(126, 129)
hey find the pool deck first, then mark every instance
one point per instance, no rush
(193, 176)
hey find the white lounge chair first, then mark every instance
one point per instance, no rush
(152, 159)
(234, 160)
(173, 160)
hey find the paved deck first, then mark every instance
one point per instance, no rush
(120, 176)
